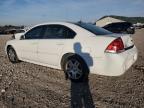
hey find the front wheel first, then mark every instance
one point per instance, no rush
(76, 69)
(12, 55)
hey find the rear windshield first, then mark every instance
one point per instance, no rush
(94, 29)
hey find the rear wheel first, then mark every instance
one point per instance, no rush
(12, 55)
(76, 69)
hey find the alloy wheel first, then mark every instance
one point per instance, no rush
(74, 69)
(11, 55)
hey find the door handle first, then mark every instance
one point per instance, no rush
(34, 43)
(60, 44)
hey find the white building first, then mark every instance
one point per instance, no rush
(107, 20)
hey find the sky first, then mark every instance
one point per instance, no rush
(28, 12)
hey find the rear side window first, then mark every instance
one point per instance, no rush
(94, 29)
(35, 33)
(69, 34)
(58, 32)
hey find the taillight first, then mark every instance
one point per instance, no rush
(115, 46)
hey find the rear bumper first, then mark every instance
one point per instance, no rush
(114, 64)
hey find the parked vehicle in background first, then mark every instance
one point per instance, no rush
(120, 27)
(18, 33)
(138, 25)
(76, 48)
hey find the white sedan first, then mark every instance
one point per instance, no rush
(77, 48)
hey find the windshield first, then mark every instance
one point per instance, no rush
(94, 29)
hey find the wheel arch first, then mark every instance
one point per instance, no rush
(65, 56)
(9, 46)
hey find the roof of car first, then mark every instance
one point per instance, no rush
(55, 23)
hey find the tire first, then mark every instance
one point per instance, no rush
(75, 69)
(12, 55)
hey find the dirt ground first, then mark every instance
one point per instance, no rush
(26, 85)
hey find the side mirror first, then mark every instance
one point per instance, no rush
(22, 37)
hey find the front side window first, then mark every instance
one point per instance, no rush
(58, 32)
(35, 33)
(69, 34)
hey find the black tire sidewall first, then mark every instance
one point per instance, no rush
(16, 60)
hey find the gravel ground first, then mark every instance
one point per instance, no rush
(26, 85)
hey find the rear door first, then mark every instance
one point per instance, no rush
(51, 47)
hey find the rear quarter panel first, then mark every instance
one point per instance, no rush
(98, 44)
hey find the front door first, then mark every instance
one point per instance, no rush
(29, 45)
